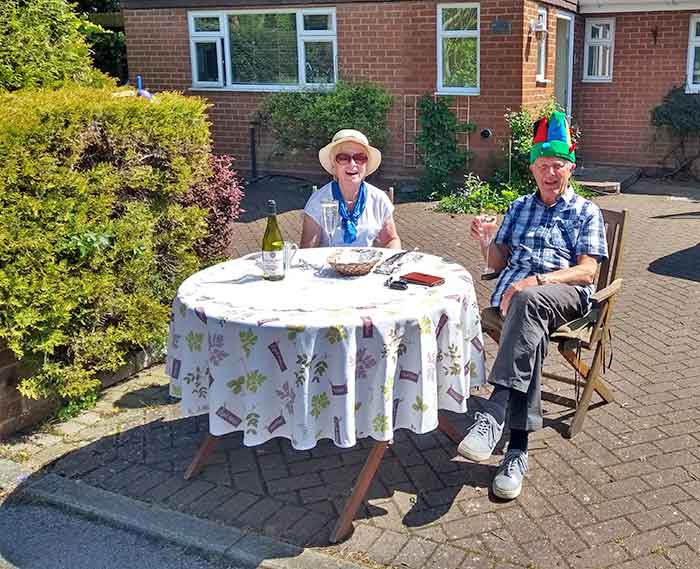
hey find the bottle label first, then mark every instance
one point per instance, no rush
(273, 263)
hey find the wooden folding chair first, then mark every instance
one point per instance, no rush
(591, 332)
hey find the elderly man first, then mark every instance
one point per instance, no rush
(547, 250)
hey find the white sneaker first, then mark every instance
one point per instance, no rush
(508, 481)
(482, 438)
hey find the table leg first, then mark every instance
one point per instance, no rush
(344, 525)
(449, 429)
(202, 455)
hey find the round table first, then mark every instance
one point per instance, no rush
(318, 355)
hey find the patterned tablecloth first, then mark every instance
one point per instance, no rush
(318, 355)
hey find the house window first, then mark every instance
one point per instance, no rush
(266, 50)
(458, 48)
(694, 55)
(599, 48)
(542, 44)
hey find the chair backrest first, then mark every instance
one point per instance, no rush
(614, 233)
(390, 193)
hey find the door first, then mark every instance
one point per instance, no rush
(564, 60)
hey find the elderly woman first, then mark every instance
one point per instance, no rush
(366, 212)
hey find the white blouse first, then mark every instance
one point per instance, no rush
(378, 210)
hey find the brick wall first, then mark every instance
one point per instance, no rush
(614, 117)
(393, 44)
(536, 93)
(16, 412)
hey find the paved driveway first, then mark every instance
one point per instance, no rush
(624, 493)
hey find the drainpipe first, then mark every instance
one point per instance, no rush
(253, 157)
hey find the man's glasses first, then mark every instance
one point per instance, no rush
(344, 158)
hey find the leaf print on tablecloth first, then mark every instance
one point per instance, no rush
(419, 406)
(364, 362)
(194, 341)
(175, 340)
(293, 331)
(195, 378)
(252, 380)
(425, 325)
(288, 396)
(454, 367)
(381, 423)
(388, 388)
(304, 364)
(336, 334)
(318, 403)
(248, 340)
(216, 351)
(183, 310)
(394, 347)
(251, 421)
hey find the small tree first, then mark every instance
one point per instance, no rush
(437, 143)
(42, 45)
(679, 116)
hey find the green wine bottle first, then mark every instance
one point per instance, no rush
(272, 246)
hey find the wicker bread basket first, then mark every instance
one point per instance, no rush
(367, 259)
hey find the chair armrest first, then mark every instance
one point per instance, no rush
(607, 292)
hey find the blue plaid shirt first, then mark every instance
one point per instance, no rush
(543, 239)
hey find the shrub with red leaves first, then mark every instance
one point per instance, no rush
(220, 195)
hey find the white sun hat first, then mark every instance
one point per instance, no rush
(327, 154)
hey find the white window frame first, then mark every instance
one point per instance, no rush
(693, 42)
(542, 46)
(224, 49)
(600, 42)
(441, 89)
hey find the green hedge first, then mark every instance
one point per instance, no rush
(42, 44)
(93, 239)
(307, 120)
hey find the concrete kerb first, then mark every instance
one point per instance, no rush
(248, 550)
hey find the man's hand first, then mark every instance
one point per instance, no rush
(483, 231)
(512, 289)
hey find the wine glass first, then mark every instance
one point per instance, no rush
(330, 218)
(488, 226)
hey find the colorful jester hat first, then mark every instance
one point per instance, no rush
(553, 138)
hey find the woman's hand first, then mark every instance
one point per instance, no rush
(388, 237)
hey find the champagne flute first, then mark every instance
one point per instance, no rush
(488, 225)
(330, 218)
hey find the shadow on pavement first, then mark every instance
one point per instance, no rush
(683, 264)
(670, 188)
(291, 194)
(273, 490)
(684, 215)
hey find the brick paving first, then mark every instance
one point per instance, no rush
(624, 493)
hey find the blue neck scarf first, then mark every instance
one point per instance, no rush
(349, 220)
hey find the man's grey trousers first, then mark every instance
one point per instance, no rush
(533, 314)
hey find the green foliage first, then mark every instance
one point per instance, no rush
(437, 143)
(42, 44)
(521, 124)
(109, 52)
(93, 239)
(76, 406)
(307, 120)
(679, 116)
(94, 6)
(496, 194)
(477, 195)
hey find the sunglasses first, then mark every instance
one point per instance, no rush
(359, 158)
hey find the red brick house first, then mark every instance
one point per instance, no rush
(607, 61)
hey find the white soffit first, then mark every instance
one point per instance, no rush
(610, 6)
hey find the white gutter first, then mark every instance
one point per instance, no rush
(610, 6)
